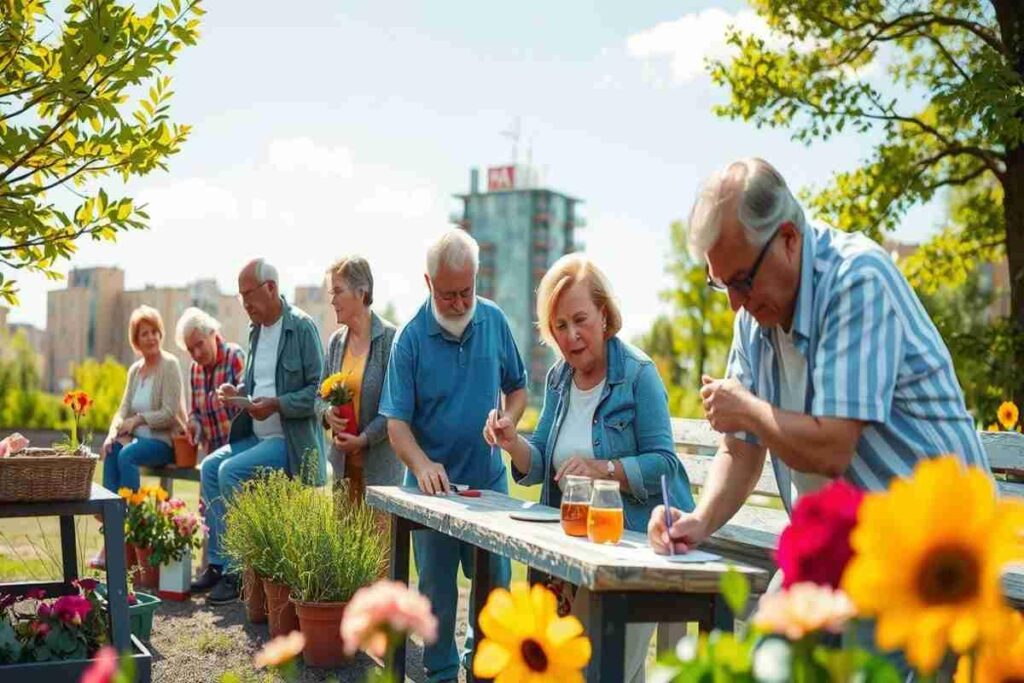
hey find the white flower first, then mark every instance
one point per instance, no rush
(686, 648)
(773, 661)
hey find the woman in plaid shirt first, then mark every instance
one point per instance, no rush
(214, 362)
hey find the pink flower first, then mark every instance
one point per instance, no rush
(87, 585)
(386, 607)
(802, 609)
(132, 599)
(43, 611)
(71, 609)
(36, 594)
(12, 444)
(815, 546)
(40, 628)
(103, 668)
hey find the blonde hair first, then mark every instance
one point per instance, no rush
(566, 272)
(143, 314)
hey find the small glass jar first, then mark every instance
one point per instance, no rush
(605, 520)
(576, 504)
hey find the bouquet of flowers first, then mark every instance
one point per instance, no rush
(336, 392)
(33, 629)
(144, 523)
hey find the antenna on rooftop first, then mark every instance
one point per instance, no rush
(515, 133)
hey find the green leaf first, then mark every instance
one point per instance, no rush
(735, 589)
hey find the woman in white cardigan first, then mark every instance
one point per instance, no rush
(151, 409)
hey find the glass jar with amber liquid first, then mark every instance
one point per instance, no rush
(605, 521)
(575, 504)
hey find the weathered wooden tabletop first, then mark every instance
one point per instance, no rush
(484, 522)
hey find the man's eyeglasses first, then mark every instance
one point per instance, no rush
(245, 295)
(741, 285)
(449, 297)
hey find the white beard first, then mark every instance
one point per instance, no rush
(453, 326)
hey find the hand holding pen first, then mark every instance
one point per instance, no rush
(499, 430)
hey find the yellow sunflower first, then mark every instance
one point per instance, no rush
(998, 661)
(525, 641)
(930, 575)
(1008, 414)
(328, 384)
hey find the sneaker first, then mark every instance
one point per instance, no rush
(208, 579)
(226, 590)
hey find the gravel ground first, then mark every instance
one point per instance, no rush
(193, 642)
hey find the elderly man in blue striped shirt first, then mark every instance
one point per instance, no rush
(835, 366)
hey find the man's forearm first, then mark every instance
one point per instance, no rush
(804, 442)
(731, 479)
(404, 444)
(515, 405)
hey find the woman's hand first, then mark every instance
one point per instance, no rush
(346, 443)
(337, 424)
(108, 443)
(499, 431)
(129, 425)
(687, 532)
(583, 467)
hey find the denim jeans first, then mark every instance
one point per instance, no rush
(121, 466)
(223, 472)
(437, 561)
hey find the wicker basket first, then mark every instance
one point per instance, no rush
(34, 475)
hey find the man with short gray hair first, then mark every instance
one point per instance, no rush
(450, 365)
(277, 427)
(835, 366)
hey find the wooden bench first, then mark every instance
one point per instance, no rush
(752, 535)
(169, 474)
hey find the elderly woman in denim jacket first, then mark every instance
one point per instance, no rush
(605, 413)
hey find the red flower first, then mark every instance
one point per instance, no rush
(69, 398)
(815, 547)
(87, 585)
(40, 628)
(71, 609)
(36, 594)
(103, 668)
(82, 402)
(43, 611)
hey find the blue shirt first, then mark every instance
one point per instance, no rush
(873, 354)
(444, 388)
(631, 425)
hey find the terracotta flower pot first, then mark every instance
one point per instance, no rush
(320, 622)
(185, 453)
(255, 597)
(280, 610)
(145, 575)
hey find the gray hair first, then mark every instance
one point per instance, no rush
(265, 272)
(355, 271)
(455, 248)
(765, 203)
(191, 320)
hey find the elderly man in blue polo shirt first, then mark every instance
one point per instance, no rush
(835, 366)
(449, 367)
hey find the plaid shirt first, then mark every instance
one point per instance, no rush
(213, 418)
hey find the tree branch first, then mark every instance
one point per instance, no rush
(941, 49)
(42, 241)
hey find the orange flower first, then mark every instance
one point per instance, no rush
(280, 650)
(69, 398)
(82, 402)
(1008, 414)
(803, 608)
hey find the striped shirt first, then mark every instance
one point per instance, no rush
(873, 354)
(213, 417)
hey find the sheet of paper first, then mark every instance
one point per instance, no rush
(692, 556)
(243, 402)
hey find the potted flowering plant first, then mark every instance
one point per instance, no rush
(33, 629)
(179, 530)
(78, 402)
(144, 526)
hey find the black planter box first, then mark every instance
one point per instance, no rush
(71, 670)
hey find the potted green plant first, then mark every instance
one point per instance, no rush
(256, 524)
(333, 548)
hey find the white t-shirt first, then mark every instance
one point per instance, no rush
(142, 402)
(576, 436)
(264, 378)
(792, 397)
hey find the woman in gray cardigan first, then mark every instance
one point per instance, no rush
(359, 349)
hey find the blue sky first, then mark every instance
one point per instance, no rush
(325, 128)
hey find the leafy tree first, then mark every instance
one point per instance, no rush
(951, 116)
(694, 338)
(81, 100)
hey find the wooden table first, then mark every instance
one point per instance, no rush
(628, 583)
(111, 509)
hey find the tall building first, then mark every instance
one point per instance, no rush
(313, 300)
(522, 228)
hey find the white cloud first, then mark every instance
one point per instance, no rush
(304, 155)
(188, 200)
(688, 41)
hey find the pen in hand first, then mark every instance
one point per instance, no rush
(668, 515)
